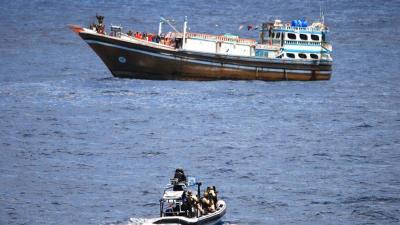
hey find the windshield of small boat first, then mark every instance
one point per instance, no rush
(179, 187)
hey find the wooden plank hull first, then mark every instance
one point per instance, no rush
(134, 60)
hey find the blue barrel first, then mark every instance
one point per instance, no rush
(299, 23)
(304, 23)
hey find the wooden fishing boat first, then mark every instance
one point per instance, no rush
(291, 51)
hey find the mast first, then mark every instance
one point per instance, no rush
(160, 27)
(169, 23)
(184, 33)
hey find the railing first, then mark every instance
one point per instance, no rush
(302, 43)
(309, 28)
(146, 42)
(303, 28)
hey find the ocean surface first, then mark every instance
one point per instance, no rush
(81, 147)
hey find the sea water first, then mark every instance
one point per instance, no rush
(81, 147)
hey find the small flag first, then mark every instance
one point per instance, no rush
(249, 27)
(241, 27)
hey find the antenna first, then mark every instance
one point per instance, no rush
(321, 12)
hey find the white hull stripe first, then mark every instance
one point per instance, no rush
(325, 72)
(306, 51)
(172, 57)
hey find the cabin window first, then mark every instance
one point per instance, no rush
(314, 37)
(302, 55)
(314, 56)
(303, 37)
(291, 36)
(273, 34)
(290, 55)
(278, 35)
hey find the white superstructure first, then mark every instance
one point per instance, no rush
(297, 41)
(220, 44)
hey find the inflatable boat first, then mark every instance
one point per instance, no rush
(179, 206)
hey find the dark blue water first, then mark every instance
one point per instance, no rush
(80, 147)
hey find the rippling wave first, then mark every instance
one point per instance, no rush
(81, 147)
